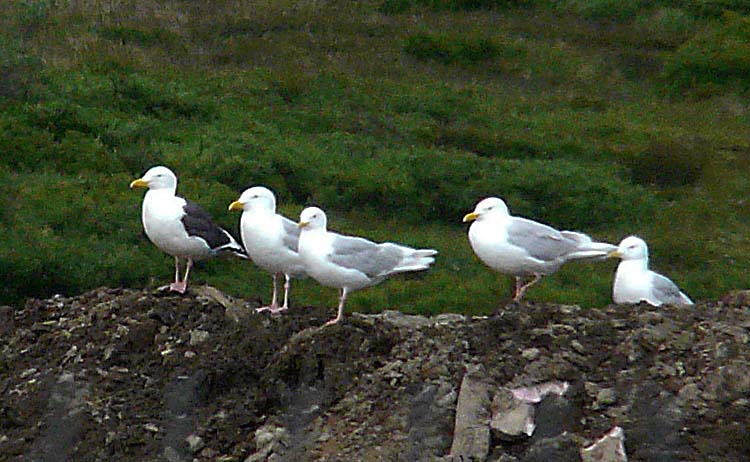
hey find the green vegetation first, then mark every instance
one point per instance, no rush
(395, 116)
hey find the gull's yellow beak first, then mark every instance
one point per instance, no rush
(614, 254)
(139, 183)
(303, 224)
(470, 217)
(236, 205)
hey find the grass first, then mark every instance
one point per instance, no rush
(396, 118)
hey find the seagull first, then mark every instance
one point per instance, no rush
(522, 247)
(352, 263)
(179, 226)
(635, 283)
(270, 239)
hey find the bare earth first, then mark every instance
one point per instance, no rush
(128, 375)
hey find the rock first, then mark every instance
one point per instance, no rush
(605, 397)
(402, 320)
(511, 416)
(737, 297)
(270, 441)
(198, 336)
(67, 414)
(140, 335)
(172, 455)
(530, 354)
(471, 440)
(195, 443)
(557, 414)
(505, 458)
(609, 448)
(427, 438)
(561, 448)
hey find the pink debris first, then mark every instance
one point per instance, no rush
(536, 393)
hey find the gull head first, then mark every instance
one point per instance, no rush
(631, 248)
(158, 177)
(255, 198)
(489, 207)
(312, 218)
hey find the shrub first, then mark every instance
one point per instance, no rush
(19, 71)
(139, 93)
(668, 27)
(449, 49)
(669, 163)
(142, 37)
(564, 193)
(483, 141)
(716, 58)
(714, 8)
(401, 6)
(597, 10)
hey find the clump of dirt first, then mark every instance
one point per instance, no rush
(128, 375)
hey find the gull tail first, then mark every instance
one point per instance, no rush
(684, 299)
(586, 248)
(415, 260)
(233, 247)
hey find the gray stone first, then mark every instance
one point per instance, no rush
(471, 440)
(605, 397)
(561, 448)
(530, 354)
(198, 336)
(511, 416)
(171, 455)
(271, 442)
(195, 443)
(609, 448)
(559, 413)
(505, 458)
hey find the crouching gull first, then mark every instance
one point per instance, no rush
(522, 247)
(635, 283)
(178, 226)
(352, 263)
(271, 240)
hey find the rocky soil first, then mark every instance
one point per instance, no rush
(127, 375)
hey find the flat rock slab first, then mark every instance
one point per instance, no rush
(471, 440)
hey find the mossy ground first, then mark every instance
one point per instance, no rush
(394, 116)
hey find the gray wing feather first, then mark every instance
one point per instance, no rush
(368, 257)
(291, 234)
(665, 290)
(540, 241)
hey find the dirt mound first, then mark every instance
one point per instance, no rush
(129, 375)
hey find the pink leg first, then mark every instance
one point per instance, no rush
(181, 287)
(176, 270)
(522, 289)
(285, 306)
(340, 316)
(516, 297)
(273, 308)
(177, 285)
